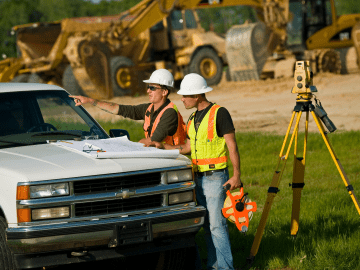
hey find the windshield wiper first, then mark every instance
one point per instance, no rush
(12, 143)
(56, 133)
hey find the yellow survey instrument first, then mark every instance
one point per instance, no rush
(303, 104)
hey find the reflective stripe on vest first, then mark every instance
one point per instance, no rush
(179, 136)
(208, 151)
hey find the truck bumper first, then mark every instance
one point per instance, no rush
(51, 244)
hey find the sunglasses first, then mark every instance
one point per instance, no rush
(153, 88)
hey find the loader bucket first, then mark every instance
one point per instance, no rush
(94, 74)
(356, 38)
(247, 50)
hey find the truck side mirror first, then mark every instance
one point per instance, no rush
(119, 133)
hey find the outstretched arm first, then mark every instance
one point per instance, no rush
(103, 105)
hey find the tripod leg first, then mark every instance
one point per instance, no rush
(273, 189)
(343, 175)
(298, 182)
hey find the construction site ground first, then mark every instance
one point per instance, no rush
(267, 105)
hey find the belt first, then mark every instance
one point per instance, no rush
(208, 173)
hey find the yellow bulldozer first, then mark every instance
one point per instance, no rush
(107, 56)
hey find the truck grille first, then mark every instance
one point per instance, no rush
(117, 183)
(118, 206)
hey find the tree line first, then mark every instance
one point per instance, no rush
(17, 12)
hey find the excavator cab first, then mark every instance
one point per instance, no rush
(179, 38)
(306, 20)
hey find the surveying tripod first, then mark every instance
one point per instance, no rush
(304, 89)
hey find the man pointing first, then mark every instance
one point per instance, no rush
(163, 122)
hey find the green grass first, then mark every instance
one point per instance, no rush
(329, 230)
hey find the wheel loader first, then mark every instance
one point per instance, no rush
(108, 56)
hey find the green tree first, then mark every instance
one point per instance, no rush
(221, 19)
(18, 12)
(14, 12)
(347, 7)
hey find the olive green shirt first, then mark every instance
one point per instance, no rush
(168, 122)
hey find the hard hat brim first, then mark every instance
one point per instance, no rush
(194, 92)
(150, 81)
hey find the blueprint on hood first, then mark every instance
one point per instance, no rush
(117, 148)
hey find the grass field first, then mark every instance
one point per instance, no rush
(329, 230)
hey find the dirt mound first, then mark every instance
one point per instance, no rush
(267, 105)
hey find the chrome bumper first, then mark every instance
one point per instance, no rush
(87, 234)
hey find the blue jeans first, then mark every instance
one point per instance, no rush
(211, 194)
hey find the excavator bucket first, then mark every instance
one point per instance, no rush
(96, 80)
(356, 38)
(247, 50)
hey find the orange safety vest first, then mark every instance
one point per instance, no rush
(208, 150)
(180, 134)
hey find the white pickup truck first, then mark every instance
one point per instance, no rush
(70, 193)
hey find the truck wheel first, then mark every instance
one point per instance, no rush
(120, 75)
(70, 83)
(6, 257)
(35, 78)
(21, 78)
(208, 64)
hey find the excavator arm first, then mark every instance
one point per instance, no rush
(274, 13)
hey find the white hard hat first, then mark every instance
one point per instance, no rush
(193, 84)
(161, 76)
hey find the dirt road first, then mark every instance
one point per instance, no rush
(267, 106)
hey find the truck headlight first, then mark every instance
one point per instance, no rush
(179, 176)
(50, 213)
(181, 197)
(51, 190)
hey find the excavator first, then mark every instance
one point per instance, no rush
(306, 30)
(108, 56)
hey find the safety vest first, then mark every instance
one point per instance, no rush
(208, 151)
(180, 134)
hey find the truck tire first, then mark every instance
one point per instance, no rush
(208, 64)
(21, 78)
(70, 83)
(6, 257)
(120, 75)
(35, 78)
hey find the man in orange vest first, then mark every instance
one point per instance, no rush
(210, 131)
(163, 122)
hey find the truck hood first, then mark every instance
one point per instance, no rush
(54, 161)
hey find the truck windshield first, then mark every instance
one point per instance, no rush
(39, 116)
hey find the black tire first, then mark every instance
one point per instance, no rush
(208, 64)
(6, 257)
(21, 78)
(120, 76)
(227, 75)
(70, 83)
(35, 78)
